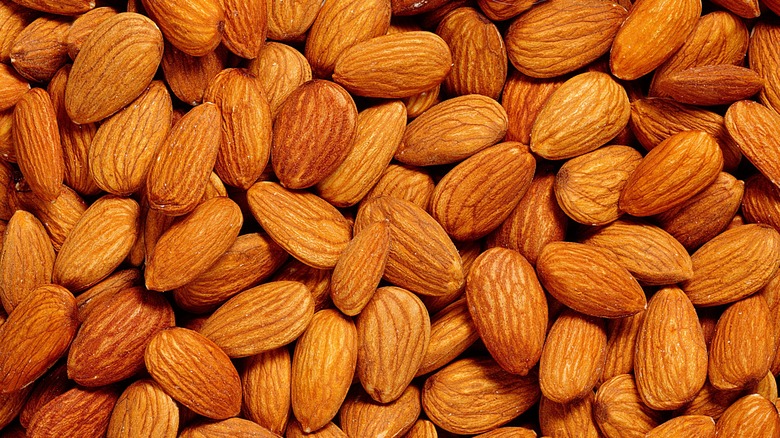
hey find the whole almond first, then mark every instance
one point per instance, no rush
(761, 200)
(58, 217)
(281, 69)
(84, 25)
(422, 429)
(14, 18)
(11, 405)
(266, 386)
(685, 425)
(405, 182)
(711, 84)
(710, 401)
(619, 411)
(144, 409)
(12, 87)
(189, 76)
(754, 128)
(67, 7)
(763, 56)
(295, 430)
(317, 280)
(41, 48)
(750, 416)
(246, 26)
(452, 332)
(232, 427)
(508, 432)
(195, 372)
(26, 259)
(621, 345)
(126, 50)
(523, 98)
(78, 412)
(570, 419)
(289, 20)
(362, 416)
(195, 28)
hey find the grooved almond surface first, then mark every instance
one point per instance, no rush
(26, 259)
(754, 128)
(144, 409)
(78, 412)
(193, 27)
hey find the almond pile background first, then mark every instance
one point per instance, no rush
(389, 218)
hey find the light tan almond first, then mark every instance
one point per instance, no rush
(685, 426)
(12, 87)
(750, 416)
(84, 25)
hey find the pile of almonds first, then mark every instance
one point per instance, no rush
(389, 218)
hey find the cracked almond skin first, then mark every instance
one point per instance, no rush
(581, 115)
(590, 280)
(281, 311)
(710, 85)
(752, 416)
(195, 372)
(452, 396)
(115, 65)
(560, 36)
(394, 330)
(649, 35)
(144, 409)
(78, 412)
(194, 27)
(670, 362)
(411, 63)
(35, 335)
(508, 307)
(362, 416)
(26, 259)
(673, 172)
(618, 410)
(754, 127)
(733, 265)
(422, 257)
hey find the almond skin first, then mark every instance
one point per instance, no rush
(508, 308)
(452, 332)
(685, 425)
(14, 19)
(189, 76)
(78, 412)
(411, 62)
(68, 7)
(754, 128)
(246, 26)
(12, 87)
(84, 25)
(763, 57)
(144, 409)
(711, 84)
(281, 69)
(618, 409)
(295, 430)
(621, 345)
(226, 428)
(266, 385)
(195, 28)
(753, 254)
(362, 416)
(394, 330)
(281, 309)
(523, 98)
(609, 292)
(575, 418)
(195, 372)
(673, 172)
(405, 182)
(58, 217)
(761, 201)
(35, 335)
(289, 21)
(750, 416)
(40, 50)
(669, 380)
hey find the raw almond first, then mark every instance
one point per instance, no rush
(246, 26)
(189, 76)
(711, 402)
(570, 419)
(14, 19)
(266, 386)
(763, 56)
(294, 430)
(78, 412)
(754, 128)
(750, 416)
(84, 25)
(144, 409)
(422, 429)
(48, 387)
(523, 98)
(281, 69)
(761, 201)
(499, 10)
(289, 20)
(452, 332)
(67, 7)
(232, 427)
(317, 280)
(711, 84)
(26, 259)
(195, 28)
(41, 48)
(700, 426)
(361, 416)
(12, 87)
(619, 411)
(621, 345)
(400, 181)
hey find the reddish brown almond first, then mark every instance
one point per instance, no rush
(189, 247)
(649, 36)
(672, 173)
(37, 144)
(583, 114)
(123, 322)
(41, 49)
(422, 102)
(178, 178)
(621, 343)
(313, 133)
(12, 87)
(508, 307)
(10, 406)
(589, 280)
(561, 36)
(281, 69)
(422, 257)
(477, 195)
(571, 419)
(246, 26)
(573, 357)
(60, 216)
(116, 282)
(711, 84)
(26, 259)
(411, 62)
(764, 55)
(362, 416)
(317, 280)
(523, 98)
(508, 432)
(477, 385)
(453, 130)
(98, 243)
(733, 265)
(743, 8)
(754, 128)
(189, 76)
(232, 427)
(67, 7)
(404, 182)
(752, 416)
(84, 25)
(619, 411)
(144, 409)
(115, 65)
(194, 28)
(281, 311)
(35, 335)
(393, 331)
(452, 332)
(50, 386)
(323, 367)
(13, 18)
(195, 372)
(761, 201)
(78, 412)
(289, 21)
(652, 255)
(700, 426)
(266, 385)
(743, 346)
(295, 430)
(669, 380)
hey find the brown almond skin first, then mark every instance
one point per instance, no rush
(619, 411)
(750, 416)
(394, 330)
(477, 385)
(98, 244)
(116, 282)
(754, 128)
(289, 21)
(189, 76)
(246, 26)
(412, 62)
(657, 186)
(35, 335)
(761, 201)
(58, 217)
(422, 429)
(400, 181)
(508, 308)
(453, 130)
(422, 102)
(312, 133)
(452, 332)
(266, 386)
(295, 430)
(754, 248)
(763, 55)
(323, 367)
(195, 372)
(711, 84)
(226, 428)
(179, 176)
(14, 18)
(67, 7)
(144, 409)
(12, 87)
(573, 357)
(621, 343)
(194, 28)
(668, 381)
(609, 292)
(37, 143)
(26, 259)
(362, 416)
(49, 386)
(41, 49)
(123, 322)
(685, 425)
(523, 98)
(561, 36)
(78, 412)
(10, 406)
(84, 25)
(200, 239)
(478, 194)
(98, 86)
(281, 69)
(281, 309)
(743, 346)
(711, 402)
(571, 419)
(317, 280)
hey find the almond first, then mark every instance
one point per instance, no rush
(78, 412)
(84, 25)
(195, 28)
(195, 372)
(316, 280)
(711, 402)
(232, 427)
(499, 10)
(362, 416)
(281, 311)
(733, 265)
(189, 76)
(452, 332)
(743, 8)
(289, 20)
(411, 62)
(508, 432)
(422, 429)
(422, 102)
(10, 406)
(561, 36)
(589, 280)
(619, 411)
(621, 345)
(144, 409)
(12, 87)
(575, 418)
(294, 430)
(711, 84)
(451, 396)
(67, 7)
(685, 425)
(266, 385)
(14, 19)
(761, 201)
(60, 216)
(400, 181)
(583, 114)
(411, 7)
(126, 49)
(26, 259)
(764, 55)
(753, 127)
(523, 98)
(750, 416)
(41, 48)
(281, 69)
(48, 387)
(246, 26)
